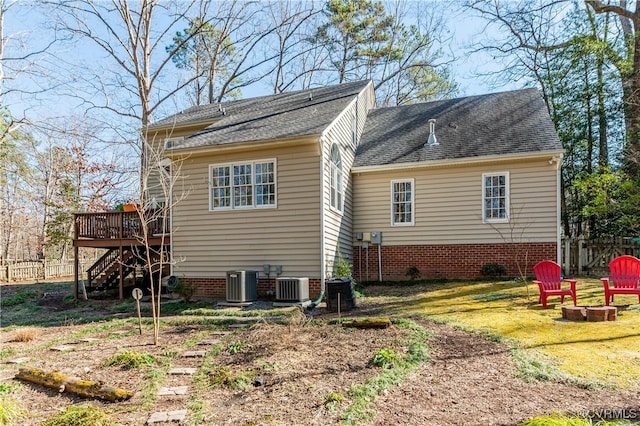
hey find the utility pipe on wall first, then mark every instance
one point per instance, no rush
(379, 263)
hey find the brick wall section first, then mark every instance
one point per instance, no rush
(448, 261)
(216, 288)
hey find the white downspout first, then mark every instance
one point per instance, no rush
(558, 211)
(322, 238)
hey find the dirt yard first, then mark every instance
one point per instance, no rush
(290, 374)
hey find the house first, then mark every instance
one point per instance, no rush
(289, 183)
(299, 179)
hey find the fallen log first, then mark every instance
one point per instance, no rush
(368, 323)
(74, 385)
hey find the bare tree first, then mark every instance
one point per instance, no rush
(297, 60)
(14, 171)
(629, 67)
(133, 36)
(20, 62)
(162, 190)
(72, 171)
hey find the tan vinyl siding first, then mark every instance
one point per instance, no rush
(207, 244)
(448, 204)
(338, 227)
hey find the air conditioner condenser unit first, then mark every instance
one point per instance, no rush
(292, 289)
(242, 286)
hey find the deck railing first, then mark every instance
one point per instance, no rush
(119, 225)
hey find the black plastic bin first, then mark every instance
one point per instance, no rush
(344, 288)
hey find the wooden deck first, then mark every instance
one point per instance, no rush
(115, 229)
(119, 233)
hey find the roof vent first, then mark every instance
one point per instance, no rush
(220, 107)
(310, 96)
(432, 133)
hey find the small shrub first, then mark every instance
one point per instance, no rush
(239, 380)
(7, 388)
(493, 270)
(332, 399)
(81, 416)
(25, 334)
(342, 268)
(10, 411)
(412, 272)
(235, 347)
(385, 358)
(131, 359)
(183, 288)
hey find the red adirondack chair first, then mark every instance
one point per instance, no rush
(624, 275)
(549, 280)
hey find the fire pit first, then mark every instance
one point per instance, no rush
(590, 313)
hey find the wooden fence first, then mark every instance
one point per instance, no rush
(591, 257)
(25, 271)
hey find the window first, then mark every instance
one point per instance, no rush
(402, 205)
(265, 184)
(495, 198)
(220, 187)
(336, 179)
(243, 185)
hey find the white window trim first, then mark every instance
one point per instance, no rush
(413, 202)
(253, 185)
(342, 193)
(507, 203)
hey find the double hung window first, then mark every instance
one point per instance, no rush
(250, 184)
(495, 197)
(402, 202)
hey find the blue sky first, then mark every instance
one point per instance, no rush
(34, 27)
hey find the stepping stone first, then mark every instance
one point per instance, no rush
(176, 390)
(19, 360)
(209, 342)
(220, 333)
(63, 348)
(185, 371)
(194, 354)
(119, 332)
(240, 325)
(89, 339)
(167, 416)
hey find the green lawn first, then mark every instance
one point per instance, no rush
(605, 353)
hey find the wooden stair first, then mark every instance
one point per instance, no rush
(105, 272)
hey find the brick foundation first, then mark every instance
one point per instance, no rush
(462, 261)
(216, 288)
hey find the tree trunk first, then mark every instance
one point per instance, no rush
(74, 385)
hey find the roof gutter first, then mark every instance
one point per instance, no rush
(175, 125)
(551, 155)
(239, 146)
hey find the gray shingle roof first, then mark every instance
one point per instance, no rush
(264, 118)
(515, 122)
